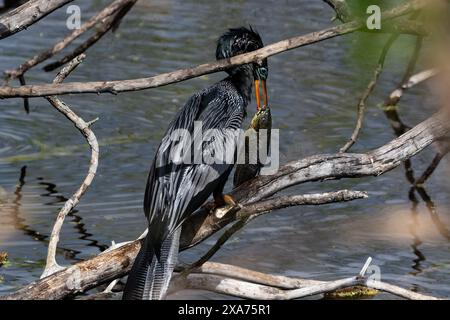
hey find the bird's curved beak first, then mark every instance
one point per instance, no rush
(258, 99)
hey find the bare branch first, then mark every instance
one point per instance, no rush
(219, 243)
(100, 17)
(109, 23)
(116, 263)
(396, 95)
(399, 26)
(184, 74)
(250, 284)
(244, 274)
(83, 127)
(362, 102)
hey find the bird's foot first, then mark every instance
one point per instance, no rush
(228, 200)
(222, 200)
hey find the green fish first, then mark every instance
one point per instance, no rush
(244, 172)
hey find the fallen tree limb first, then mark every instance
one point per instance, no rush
(344, 14)
(94, 272)
(184, 74)
(116, 263)
(24, 16)
(248, 284)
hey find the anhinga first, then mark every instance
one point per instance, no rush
(176, 189)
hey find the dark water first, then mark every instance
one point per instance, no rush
(313, 93)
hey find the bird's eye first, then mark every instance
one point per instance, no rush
(263, 71)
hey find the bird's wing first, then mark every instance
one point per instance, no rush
(174, 190)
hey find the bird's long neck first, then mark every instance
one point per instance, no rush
(242, 78)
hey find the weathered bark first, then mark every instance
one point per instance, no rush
(348, 165)
(27, 14)
(370, 87)
(84, 128)
(183, 74)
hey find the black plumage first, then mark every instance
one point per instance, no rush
(176, 189)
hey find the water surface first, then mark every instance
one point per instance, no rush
(313, 93)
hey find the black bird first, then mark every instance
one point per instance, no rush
(175, 189)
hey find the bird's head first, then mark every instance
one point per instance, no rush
(243, 40)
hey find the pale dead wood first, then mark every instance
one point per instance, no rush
(189, 73)
(348, 165)
(239, 273)
(322, 167)
(398, 291)
(109, 23)
(397, 94)
(344, 14)
(249, 284)
(51, 264)
(24, 16)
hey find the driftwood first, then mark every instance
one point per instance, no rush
(370, 87)
(184, 74)
(24, 16)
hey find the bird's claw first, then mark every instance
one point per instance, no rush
(224, 200)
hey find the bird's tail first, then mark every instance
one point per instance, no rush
(149, 277)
